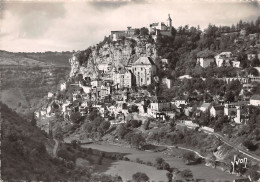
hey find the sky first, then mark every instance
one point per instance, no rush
(38, 26)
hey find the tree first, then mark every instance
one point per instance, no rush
(75, 117)
(254, 175)
(122, 131)
(144, 31)
(33, 121)
(188, 157)
(169, 176)
(146, 124)
(186, 173)
(134, 123)
(137, 31)
(137, 140)
(249, 144)
(140, 177)
(230, 96)
(104, 126)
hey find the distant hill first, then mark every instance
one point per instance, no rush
(59, 59)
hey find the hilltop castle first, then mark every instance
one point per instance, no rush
(159, 28)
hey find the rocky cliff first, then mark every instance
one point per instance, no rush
(119, 54)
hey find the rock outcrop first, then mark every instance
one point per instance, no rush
(119, 54)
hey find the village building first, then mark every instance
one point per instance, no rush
(128, 79)
(168, 82)
(255, 100)
(178, 102)
(158, 105)
(236, 64)
(240, 79)
(251, 56)
(144, 69)
(233, 111)
(50, 94)
(204, 107)
(119, 34)
(95, 83)
(184, 77)
(165, 63)
(216, 111)
(223, 59)
(205, 61)
(63, 86)
(104, 67)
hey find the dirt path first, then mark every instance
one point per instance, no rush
(55, 148)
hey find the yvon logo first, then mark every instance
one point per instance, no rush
(238, 161)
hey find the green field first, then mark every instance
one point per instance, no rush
(126, 170)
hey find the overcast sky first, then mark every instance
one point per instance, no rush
(67, 26)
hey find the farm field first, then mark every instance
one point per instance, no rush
(199, 171)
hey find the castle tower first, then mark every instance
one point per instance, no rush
(169, 22)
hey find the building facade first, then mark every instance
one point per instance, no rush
(144, 69)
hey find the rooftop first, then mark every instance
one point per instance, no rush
(255, 97)
(144, 61)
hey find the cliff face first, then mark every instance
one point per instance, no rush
(119, 54)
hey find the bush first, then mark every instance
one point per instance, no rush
(188, 157)
(186, 173)
(248, 144)
(140, 177)
(149, 163)
(126, 159)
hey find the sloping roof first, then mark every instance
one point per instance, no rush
(255, 97)
(144, 61)
(205, 105)
(258, 69)
(154, 24)
(218, 108)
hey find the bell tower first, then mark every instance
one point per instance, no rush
(169, 22)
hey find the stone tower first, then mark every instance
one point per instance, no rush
(169, 22)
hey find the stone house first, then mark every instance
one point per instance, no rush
(223, 59)
(168, 82)
(255, 100)
(144, 69)
(205, 61)
(119, 34)
(158, 105)
(204, 107)
(216, 110)
(104, 67)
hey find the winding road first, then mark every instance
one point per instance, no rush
(222, 138)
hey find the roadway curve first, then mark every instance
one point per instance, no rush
(249, 154)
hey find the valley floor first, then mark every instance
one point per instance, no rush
(126, 169)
